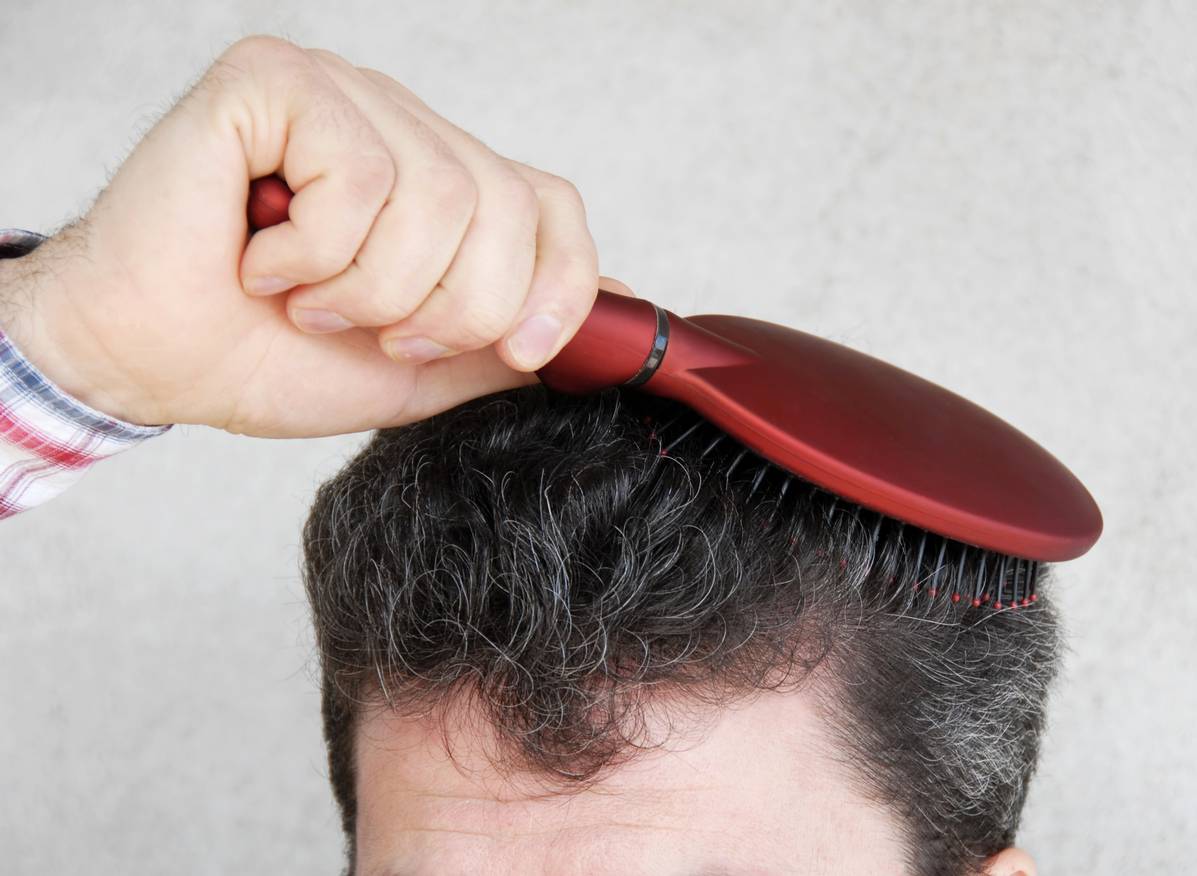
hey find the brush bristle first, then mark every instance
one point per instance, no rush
(925, 567)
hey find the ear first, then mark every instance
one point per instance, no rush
(1010, 862)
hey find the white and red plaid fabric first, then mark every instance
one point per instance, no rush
(48, 439)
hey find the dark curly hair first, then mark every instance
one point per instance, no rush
(561, 560)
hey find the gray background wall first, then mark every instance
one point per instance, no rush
(998, 195)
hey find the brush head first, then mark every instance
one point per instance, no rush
(859, 427)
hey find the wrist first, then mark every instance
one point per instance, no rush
(37, 313)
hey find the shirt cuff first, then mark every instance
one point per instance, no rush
(48, 438)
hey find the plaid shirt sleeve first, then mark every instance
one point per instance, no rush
(48, 439)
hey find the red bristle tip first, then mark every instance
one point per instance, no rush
(933, 591)
(1034, 597)
(1026, 602)
(997, 605)
(663, 452)
(955, 597)
(976, 603)
(986, 598)
(916, 588)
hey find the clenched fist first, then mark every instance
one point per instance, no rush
(417, 268)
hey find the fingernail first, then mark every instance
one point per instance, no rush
(534, 339)
(414, 350)
(319, 322)
(267, 284)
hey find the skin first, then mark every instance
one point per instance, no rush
(402, 284)
(417, 270)
(754, 790)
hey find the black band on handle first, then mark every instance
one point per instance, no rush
(656, 354)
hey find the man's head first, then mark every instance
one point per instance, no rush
(549, 647)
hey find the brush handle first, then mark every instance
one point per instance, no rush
(622, 339)
(269, 198)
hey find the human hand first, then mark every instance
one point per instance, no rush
(158, 307)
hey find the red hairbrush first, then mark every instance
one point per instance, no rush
(856, 426)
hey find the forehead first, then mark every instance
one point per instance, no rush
(750, 791)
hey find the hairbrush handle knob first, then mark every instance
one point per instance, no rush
(269, 198)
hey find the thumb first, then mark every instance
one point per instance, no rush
(610, 284)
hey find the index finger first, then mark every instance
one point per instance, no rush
(294, 120)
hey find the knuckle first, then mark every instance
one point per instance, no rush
(327, 261)
(574, 288)
(570, 258)
(332, 59)
(369, 298)
(575, 274)
(394, 308)
(520, 201)
(562, 189)
(387, 306)
(395, 89)
(388, 83)
(451, 189)
(251, 57)
(481, 324)
(370, 177)
(264, 46)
